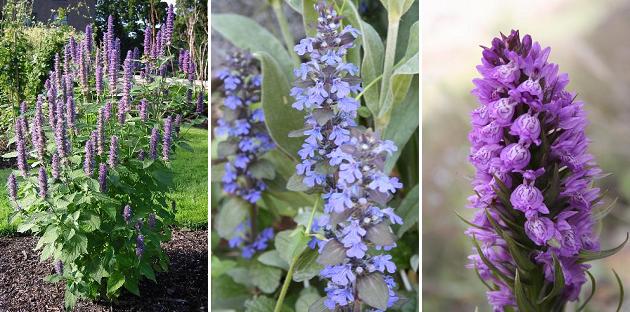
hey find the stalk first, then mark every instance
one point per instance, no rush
(284, 28)
(388, 66)
(287, 280)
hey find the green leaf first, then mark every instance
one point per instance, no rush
(280, 117)
(246, 34)
(403, 123)
(263, 169)
(309, 17)
(409, 211)
(318, 306)
(50, 236)
(586, 256)
(308, 296)
(272, 258)
(259, 304)
(291, 243)
(306, 266)
(373, 53)
(621, 292)
(131, 284)
(593, 289)
(296, 184)
(147, 270)
(266, 278)
(521, 298)
(522, 260)
(232, 213)
(373, 290)
(70, 299)
(219, 267)
(296, 5)
(226, 148)
(397, 7)
(553, 189)
(558, 281)
(114, 282)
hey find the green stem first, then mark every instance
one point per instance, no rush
(287, 280)
(368, 86)
(284, 28)
(388, 66)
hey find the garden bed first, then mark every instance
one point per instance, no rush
(183, 288)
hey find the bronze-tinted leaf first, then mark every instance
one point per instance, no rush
(381, 234)
(333, 253)
(373, 290)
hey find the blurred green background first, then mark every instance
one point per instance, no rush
(590, 41)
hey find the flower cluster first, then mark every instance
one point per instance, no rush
(347, 163)
(242, 236)
(534, 173)
(244, 127)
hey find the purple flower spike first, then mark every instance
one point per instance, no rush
(144, 110)
(166, 141)
(528, 133)
(98, 73)
(139, 245)
(43, 182)
(127, 213)
(39, 139)
(151, 221)
(12, 187)
(102, 177)
(112, 161)
(356, 188)
(71, 114)
(201, 108)
(89, 162)
(178, 123)
(153, 144)
(170, 18)
(100, 130)
(147, 41)
(56, 166)
(20, 143)
(59, 267)
(113, 71)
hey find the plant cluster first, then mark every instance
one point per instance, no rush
(534, 196)
(93, 156)
(344, 136)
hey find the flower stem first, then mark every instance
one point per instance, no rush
(368, 86)
(284, 28)
(287, 280)
(388, 66)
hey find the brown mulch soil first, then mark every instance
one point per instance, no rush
(183, 288)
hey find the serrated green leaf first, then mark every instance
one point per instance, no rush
(272, 258)
(114, 282)
(232, 213)
(266, 278)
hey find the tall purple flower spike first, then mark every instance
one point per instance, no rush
(355, 187)
(533, 172)
(12, 187)
(42, 180)
(243, 126)
(20, 142)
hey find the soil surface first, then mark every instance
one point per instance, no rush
(183, 288)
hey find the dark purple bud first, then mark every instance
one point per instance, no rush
(151, 220)
(71, 114)
(113, 152)
(88, 38)
(138, 225)
(42, 179)
(200, 102)
(178, 123)
(141, 155)
(127, 213)
(12, 187)
(59, 267)
(155, 137)
(139, 245)
(102, 177)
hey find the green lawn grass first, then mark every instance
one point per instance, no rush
(190, 184)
